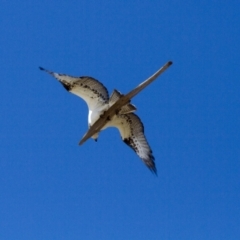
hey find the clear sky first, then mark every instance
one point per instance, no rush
(53, 189)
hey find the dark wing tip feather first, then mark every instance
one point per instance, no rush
(42, 69)
(153, 170)
(151, 164)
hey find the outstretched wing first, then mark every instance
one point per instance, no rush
(132, 133)
(89, 89)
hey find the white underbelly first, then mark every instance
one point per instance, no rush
(93, 116)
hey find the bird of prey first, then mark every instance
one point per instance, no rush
(97, 98)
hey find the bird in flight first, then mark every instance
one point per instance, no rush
(97, 98)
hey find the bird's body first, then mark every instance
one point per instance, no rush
(96, 96)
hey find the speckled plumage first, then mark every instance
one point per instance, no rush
(96, 96)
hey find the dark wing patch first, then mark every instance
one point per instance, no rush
(66, 86)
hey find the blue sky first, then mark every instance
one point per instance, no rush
(51, 188)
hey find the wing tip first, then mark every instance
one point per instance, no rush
(42, 69)
(154, 171)
(152, 167)
(47, 71)
(150, 163)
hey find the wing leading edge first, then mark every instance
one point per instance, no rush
(94, 93)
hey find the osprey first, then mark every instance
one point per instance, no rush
(96, 96)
